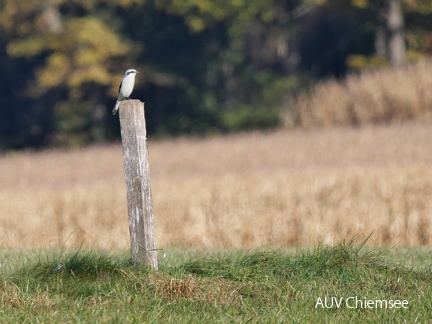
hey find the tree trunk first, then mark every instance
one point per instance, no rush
(98, 116)
(381, 41)
(395, 28)
(50, 17)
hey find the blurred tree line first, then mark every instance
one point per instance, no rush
(206, 65)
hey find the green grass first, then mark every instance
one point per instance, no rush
(258, 286)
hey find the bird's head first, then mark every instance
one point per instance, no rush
(131, 72)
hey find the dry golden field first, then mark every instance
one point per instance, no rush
(281, 188)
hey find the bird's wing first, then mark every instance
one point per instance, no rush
(120, 94)
(121, 82)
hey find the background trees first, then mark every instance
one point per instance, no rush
(206, 65)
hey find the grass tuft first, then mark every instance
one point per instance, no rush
(78, 264)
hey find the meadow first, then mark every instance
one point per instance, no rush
(323, 285)
(281, 188)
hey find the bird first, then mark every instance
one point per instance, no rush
(125, 88)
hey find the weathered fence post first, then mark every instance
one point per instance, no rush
(138, 186)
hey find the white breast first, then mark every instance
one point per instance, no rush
(127, 85)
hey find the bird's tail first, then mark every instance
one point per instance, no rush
(116, 107)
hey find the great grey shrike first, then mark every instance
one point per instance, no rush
(125, 88)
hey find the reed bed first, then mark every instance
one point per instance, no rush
(374, 97)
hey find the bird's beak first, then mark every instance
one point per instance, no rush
(137, 71)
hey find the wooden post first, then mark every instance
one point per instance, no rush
(138, 186)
